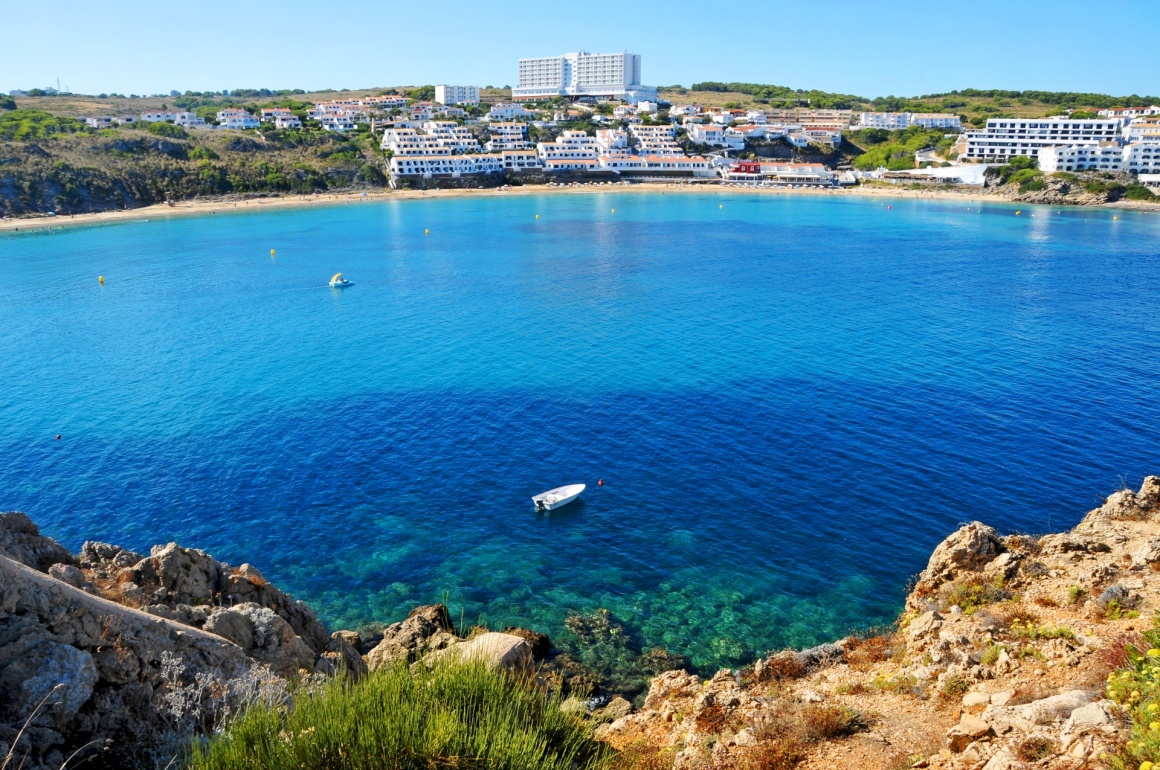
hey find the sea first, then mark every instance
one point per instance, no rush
(780, 404)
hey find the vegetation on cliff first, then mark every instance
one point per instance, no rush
(456, 714)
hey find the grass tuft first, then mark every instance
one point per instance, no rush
(458, 714)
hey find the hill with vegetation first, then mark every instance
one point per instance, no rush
(53, 163)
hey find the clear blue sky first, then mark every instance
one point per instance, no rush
(900, 48)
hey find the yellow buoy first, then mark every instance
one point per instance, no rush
(1115, 219)
(427, 232)
(101, 279)
(537, 216)
(271, 252)
(1017, 213)
(721, 205)
(614, 211)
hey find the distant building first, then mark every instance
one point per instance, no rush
(889, 121)
(583, 75)
(1006, 138)
(102, 122)
(507, 136)
(157, 117)
(840, 119)
(282, 122)
(450, 134)
(1142, 157)
(449, 95)
(1127, 113)
(189, 120)
(813, 174)
(1106, 156)
(570, 145)
(17, 92)
(505, 112)
(936, 120)
(445, 165)
(521, 160)
(714, 136)
(1142, 130)
(237, 119)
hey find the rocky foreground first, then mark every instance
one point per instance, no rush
(999, 661)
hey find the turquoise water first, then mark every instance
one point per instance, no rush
(790, 400)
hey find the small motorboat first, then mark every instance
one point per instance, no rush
(338, 282)
(558, 497)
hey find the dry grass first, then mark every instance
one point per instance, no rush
(1034, 748)
(1029, 693)
(712, 720)
(1045, 601)
(643, 757)
(865, 652)
(787, 739)
(1016, 613)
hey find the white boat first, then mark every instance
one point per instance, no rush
(558, 497)
(338, 282)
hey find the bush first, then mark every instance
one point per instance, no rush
(975, 592)
(1136, 687)
(29, 125)
(1138, 192)
(167, 129)
(455, 715)
(7, 103)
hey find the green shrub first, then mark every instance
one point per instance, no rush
(7, 103)
(991, 655)
(29, 125)
(202, 153)
(167, 129)
(1136, 687)
(457, 715)
(975, 592)
(1138, 192)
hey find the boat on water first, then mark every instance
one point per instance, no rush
(558, 497)
(338, 282)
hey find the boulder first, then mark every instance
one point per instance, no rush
(67, 573)
(615, 709)
(1147, 554)
(925, 625)
(426, 629)
(344, 656)
(1097, 717)
(671, 684)
(264, 636)
(20, 540)
(969, 549)
(967, 731)
(540, 643)
(493, 649)
(96, 555)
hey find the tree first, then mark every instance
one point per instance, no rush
(7, 103)
(422, 93)
(167, 129)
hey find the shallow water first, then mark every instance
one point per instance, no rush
(790, 400)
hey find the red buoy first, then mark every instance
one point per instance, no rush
(58, 437)
(600, 483)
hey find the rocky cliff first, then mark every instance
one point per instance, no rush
(998, 662)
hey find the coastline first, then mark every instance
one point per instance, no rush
(214, 205)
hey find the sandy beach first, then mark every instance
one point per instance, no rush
(214, 205)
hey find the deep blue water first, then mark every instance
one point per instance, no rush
(790, 400)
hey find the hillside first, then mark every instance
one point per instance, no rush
(49, 164)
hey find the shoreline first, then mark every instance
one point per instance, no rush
(214, 205)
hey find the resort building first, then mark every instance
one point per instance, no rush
(1005, 138)
(450, 134)
(337, 123)
(813, 174)
(897, 121)
(1106, 156)
(695, 165)
(570, 145)
(505, 112)
(1142, 131)
(656, 140)
(936, 120)
(270, 114)
(125, 120)
(684, 110)
(1129, 113)
(103, 122)
(840, 119)
(189, 120)
(583, 75)
(714, 136)
(448, 95)
(409, 142)
(612, 142)
(445, 165)
(521, 160)
(287, 122)
(818, 135)
(572, 164)
(1142, 158)
(157, 117)
(507, 136)
(239, 119)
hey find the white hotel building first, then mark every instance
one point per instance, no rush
(448, 95)
(1005, 138)
(583, 75)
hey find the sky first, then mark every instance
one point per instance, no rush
(902, 48)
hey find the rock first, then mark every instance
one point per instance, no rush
(974, 699)
(812, 696)
(924, 625)
(68, 574)
(1097, 717)
(352, 638)
(1002, 698)
(344, 657)
(95, 555)
(264, 636)
(671, 684)
(1147, 554)
(1005, 565)
(427, 628)
(967, 731)
(969, 549)
(822, 656)
(493, 649)
(1045, 711)
(108, 660)
(20, 540)
(539, 643)
(1064, 543)
(616, 708)
(233, 625)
